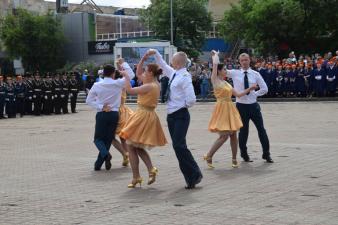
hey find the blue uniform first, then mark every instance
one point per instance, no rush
(292, 81)
(270, 75)
(318, 78)
(280, 82)
(300, 83)
(331, 80)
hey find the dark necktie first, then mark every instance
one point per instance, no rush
(246, 81)
(167, 94)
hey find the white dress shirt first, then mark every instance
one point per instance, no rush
(182, 94)
(108, 91)
(254, 78)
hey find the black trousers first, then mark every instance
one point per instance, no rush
(252, 112)
(37, 105)
(178, 124)
(73, 100)
(2, 106)
(64, 104)
(57, 104)
(11, 109)
(28, 106)
(20, 106)
(105, 127)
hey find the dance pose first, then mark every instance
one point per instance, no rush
(143, 129)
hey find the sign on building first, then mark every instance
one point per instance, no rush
(101, 47)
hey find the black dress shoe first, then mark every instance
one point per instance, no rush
(97, 167)
(189, 186)
(247, 159)
(107, 161)
(197, 180)
(268, 159)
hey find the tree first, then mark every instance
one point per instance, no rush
(191, 21)
(38, 40)
(278, 26)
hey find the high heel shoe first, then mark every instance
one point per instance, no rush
(125, 161)
(134, 182)
(234, 163)
(152, 175)
(209, 161)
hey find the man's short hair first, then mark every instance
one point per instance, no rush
(243, 54)
(183, 57)
(108, 70)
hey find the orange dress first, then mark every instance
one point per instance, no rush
(143, 128)
(225, 116)
(124, 113)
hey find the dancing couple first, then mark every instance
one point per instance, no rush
(226, 119)
(142, 130)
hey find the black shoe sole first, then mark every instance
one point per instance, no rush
(107, 162)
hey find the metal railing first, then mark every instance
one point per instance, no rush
(115, 36)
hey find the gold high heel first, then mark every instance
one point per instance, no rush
(209, 161)
(134, 182)
(125, 161)
(234, 163)
(152, 175)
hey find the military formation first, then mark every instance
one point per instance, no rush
(37, 95)
(300, 80)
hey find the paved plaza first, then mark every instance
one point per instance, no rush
(47, 176)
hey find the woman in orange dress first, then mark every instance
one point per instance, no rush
(225, 119)
(124, 114)
(143, 129)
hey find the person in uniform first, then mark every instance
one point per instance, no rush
(3, 94)
(308, 80)
(48, 95)
(180, 97)
(37, 94)
(292, 76)
(10, 99)
(74, 90)
(319, 77)
(57, 91)
(20, 91)
(300, 81)
(64, 94)
(279, 81)
(287, 83)
(143, 129)
(270, 74)
(331, 79)
(29, 94)
(225, 119)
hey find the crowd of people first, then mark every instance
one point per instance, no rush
(305, 76)
(33, 94)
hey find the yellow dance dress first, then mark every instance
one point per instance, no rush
(225, 116)
(143, 128)
(124, 113)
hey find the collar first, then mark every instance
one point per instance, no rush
(107, 80)
(248, 70)
(181, 71)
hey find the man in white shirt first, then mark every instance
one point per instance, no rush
(180, 97)
(248, 107)
(105, 97)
